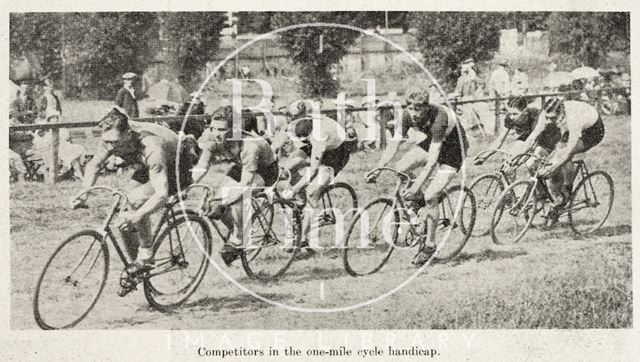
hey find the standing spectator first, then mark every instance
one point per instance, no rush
(520, 82)
(499, 82)
(466, 89)
(49, 108)
(23, 109)
(126, 97)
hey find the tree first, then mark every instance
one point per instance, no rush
(589, 36)
(37, 37)
(258, 22)
(193, 39)
(100, 47)
(314, 56)
(447, 38)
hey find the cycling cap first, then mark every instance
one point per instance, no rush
(518, 102)
(553, 106)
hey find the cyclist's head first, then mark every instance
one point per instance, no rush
(115, 128)
(553, 108)
(222, 123)
(515, 106)
(417, 101)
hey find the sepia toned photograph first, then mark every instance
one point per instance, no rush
(320, 170)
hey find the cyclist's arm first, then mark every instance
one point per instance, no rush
(93, 167)
(317, 151)
(390, 152)
(566, 153)
(432, 160)
(537, 131)
(202, 167)
(160, 183)
(497, 143)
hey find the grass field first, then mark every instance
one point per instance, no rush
(549, 280)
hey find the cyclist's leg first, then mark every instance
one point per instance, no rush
(413, 159)
(138, 195)
(532, 163)
(442, 178)
(236, 213)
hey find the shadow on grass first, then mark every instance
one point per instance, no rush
(565, 232)
(487, 254)
(243, 302)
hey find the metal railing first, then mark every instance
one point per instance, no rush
(54, 128)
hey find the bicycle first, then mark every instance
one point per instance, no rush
(456, 221)
(276, 227)
(487, 187)
(523, 200)
(84, 265)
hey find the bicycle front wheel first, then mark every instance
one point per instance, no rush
(515, 210)
(371, 237)
(591, 203)
(181, 253)
(273, 245)
(456, 222)
(486, 189)
(338, 204)
(71, 281)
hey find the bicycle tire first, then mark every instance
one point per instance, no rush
(506, 199)
(577, 192)
(485, 200)
(464, 222)
(348, 254)
(249, 258)
(43, 321)
(152, 291)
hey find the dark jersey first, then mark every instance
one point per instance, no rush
(527, 122)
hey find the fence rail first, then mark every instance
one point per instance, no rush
(54, 128)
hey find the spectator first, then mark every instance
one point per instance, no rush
(499, 82)
(520, 82)
(466, 89)
(126, 96)
(23, 109)
(49, 108)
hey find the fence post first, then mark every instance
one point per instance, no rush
(383, 129)
(53, 164)
(542, 99)
(497, 113)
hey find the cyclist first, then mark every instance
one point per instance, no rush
(522, 119)
(151, 150)
(254, 165)
(322, 144)
(439, 151)
(581, 128)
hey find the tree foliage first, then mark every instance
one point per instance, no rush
(315, 57)
(37, 38)
(193, 39)
(589, 36)
(447, 38)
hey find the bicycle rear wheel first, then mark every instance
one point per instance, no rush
(591, 203)
(181, 253)
(275, 233)
(456, 222)
(515, 210)
(71, 281)
(486, 189)
(366, 248)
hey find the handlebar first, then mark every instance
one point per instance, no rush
(116, 192)
(402, 175)
(493, 150)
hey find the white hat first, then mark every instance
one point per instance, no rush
(129, 75)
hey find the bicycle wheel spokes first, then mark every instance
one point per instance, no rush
(273, 241)
(591, 203)
(514, 212)
(181, 253)
(371, 237)
(333, 214)
(486, 190)
(455, 223)
(71, 281)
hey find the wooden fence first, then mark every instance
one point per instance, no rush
(54, 128)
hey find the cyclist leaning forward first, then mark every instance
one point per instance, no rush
(320, 143)
(441, 145)
(581, 128)
(150, 149)
(254, 165)
(522, 119)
